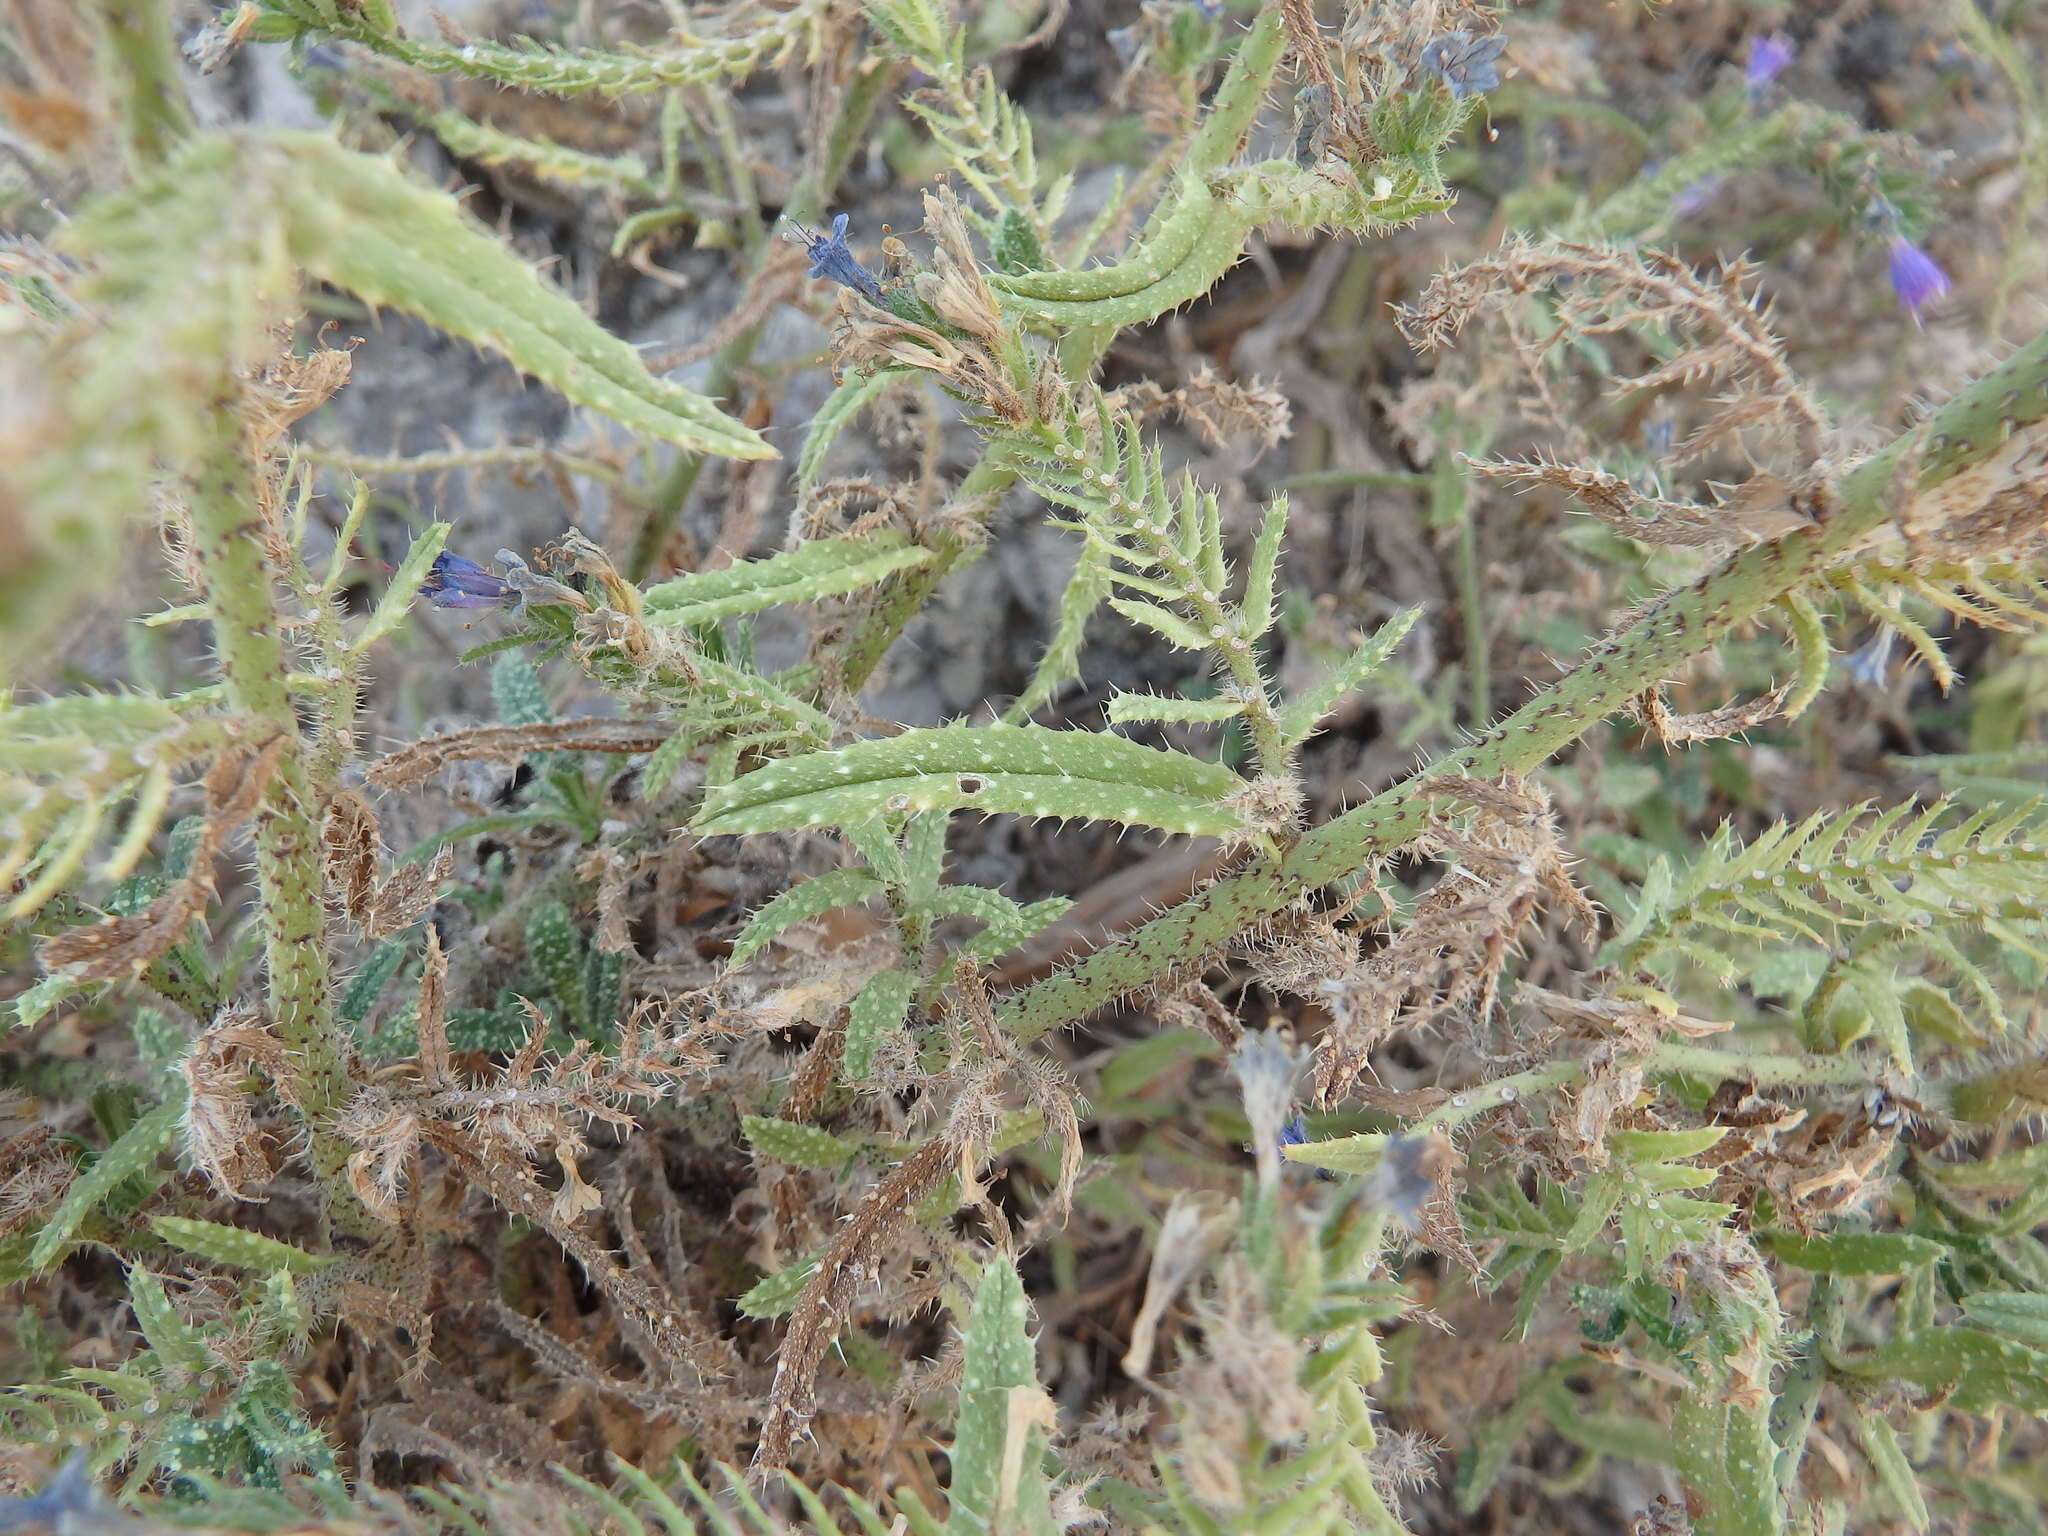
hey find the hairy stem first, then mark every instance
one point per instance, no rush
(1655, 647)
(228, 538)
(143, 60)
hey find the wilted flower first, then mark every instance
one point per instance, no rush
(1916, 277)
(1466, 64)
(1267, 1070)
(458, 583)
(831, 259)
(1770, 53)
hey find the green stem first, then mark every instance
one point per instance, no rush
(908, 593)
(1657, 646)
(805, 205)
(143, 59)
(228, 538)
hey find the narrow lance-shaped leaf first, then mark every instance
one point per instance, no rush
(1852, 1253)
(1299, 719)
(1085, 592)
(802, 902)
(998, 1442)
(1127, 708)
(877, 1012)
(1022, 770)
(404, 586)
(1256, 610)
(821, 568)
(358, 222)
(847, 401)
(134, 1151)
(234, 1245)
(799, 1145)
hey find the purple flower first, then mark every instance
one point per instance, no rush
(458, 583)
(831, 259)
(1769, 55)
(1294, 1133)
(1466, 64)
(1916, 278)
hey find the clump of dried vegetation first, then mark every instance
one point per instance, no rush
(1471, 960)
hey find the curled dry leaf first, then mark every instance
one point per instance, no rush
(119, 947)
(414, 765)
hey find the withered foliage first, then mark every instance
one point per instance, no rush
(118, 947)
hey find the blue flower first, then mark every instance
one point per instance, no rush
(1466, 64)
(1916, 277)
(1294, 1133)
(831, 259)
(1869, 665)
(458, 583)
(1770, 54)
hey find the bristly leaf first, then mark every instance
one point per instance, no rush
(1085, 592)
(136, 1149)
(999, 1437)
(801, 1146)
(1022, 770)
(822, 568)
(1258, 608)
(877, 1011)
(236, 1246)
(802, 902)
(360, 223)
(1852, 1253)
(403, 586)
(1300, 717)
(847, 400)
(1127, 708)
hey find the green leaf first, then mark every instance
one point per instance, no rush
(852, 396)
(1663, 1146)
(555, 951)
(999, 939)
(997, 1367)
(1852, 1253)
(1169, 626)
(1256, 611)
(1979, 1370)
(176, 1342)
(1301, 716)
(403, 586)
(1084, 593)
(2020, 1315)
(802, 902)
(1023, 770)
(799, 1145)
(1125, 708)
(822, 568)
(233, 1245)
(774, 1295)
(878, 1010)
(1894, 1472)
(134, 1151)
(367, 985)
(360, 223)
(517, 693)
